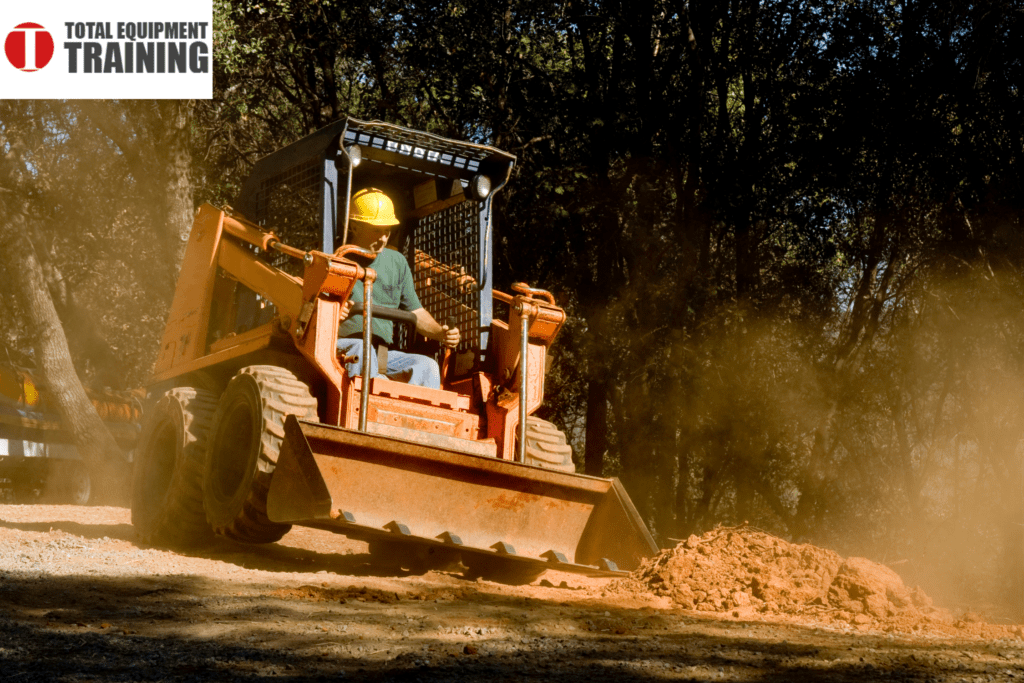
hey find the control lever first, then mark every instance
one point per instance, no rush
(449, 323)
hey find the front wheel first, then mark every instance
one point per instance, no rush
(245, 441)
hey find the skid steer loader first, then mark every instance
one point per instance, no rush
(257, 426)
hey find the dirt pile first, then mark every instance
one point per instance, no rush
(744, 570)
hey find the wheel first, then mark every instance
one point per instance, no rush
(167, 493)
(26, 487)
(244, 444)
(546, 446)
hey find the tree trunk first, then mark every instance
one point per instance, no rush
(177, 190)
(106, 463)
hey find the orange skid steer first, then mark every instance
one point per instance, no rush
(257, 426)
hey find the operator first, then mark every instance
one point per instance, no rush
(371, 218)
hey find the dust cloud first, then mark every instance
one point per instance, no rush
(897, 437)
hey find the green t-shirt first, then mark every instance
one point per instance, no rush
(393, 288)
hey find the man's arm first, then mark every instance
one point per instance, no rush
(428, 327)
(425, 325)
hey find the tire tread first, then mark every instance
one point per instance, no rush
(282, 394)
(178, 518)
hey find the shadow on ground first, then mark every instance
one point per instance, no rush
(193, 629)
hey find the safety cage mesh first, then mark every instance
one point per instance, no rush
(445, 258)
(289, 204)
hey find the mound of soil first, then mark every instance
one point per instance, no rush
(745, 570)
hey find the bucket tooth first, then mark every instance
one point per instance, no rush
(450, 539)
(608, 565)
(344, 516)
(397, 528)
(504, 548)
(555, 557)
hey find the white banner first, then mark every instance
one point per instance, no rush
(106, 49)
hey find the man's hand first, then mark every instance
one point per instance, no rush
(450, 336)
(346, 311)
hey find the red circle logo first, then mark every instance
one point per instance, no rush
(29, 47)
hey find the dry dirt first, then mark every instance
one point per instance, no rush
(80, 600)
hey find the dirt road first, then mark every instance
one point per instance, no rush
(81, 601)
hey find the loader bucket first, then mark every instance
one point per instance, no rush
(381, 488)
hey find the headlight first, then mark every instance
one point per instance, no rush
(355, 154)
(479, 187)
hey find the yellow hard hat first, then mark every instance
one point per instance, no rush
(372, 206)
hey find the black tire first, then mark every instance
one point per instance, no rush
(244, 444)
(27, 487)
(546, 446)
(167, 482)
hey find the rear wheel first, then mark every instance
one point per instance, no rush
(27, 486)
(167, 493)
(244, 444)
(546, 446)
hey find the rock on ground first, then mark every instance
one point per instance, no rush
(746, 570)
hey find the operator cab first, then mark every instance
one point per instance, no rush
(442, 190)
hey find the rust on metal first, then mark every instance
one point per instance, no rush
(512, 503)
(485, 448)
(483, 501)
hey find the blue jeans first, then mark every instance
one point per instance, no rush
(404, 367)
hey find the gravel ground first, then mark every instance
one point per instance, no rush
(81, 601)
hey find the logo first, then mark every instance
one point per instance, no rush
(29, 47)
(106, 49)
